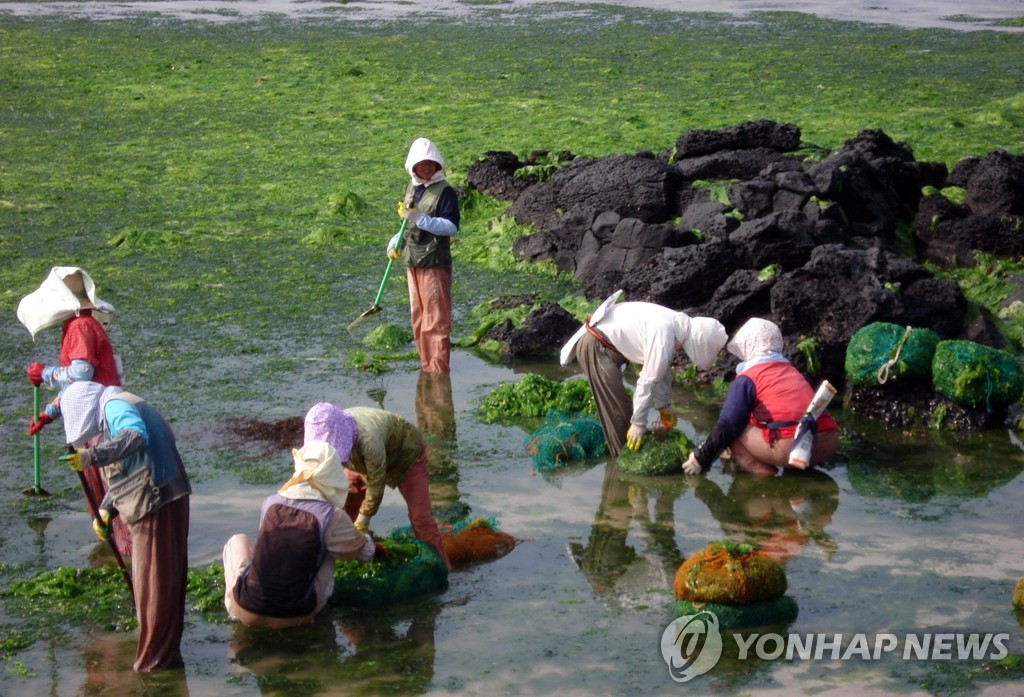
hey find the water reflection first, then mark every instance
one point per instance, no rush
(109, 659)
(917, 472)
(435, 417)
(632, 546)
(621, 573)
(352, 652)
(781, 514)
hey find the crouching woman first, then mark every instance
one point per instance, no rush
(762, 408)
(286, 578)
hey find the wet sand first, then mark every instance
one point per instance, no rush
(944, 14)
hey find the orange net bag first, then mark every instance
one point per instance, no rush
(476, 540)
(729, 573)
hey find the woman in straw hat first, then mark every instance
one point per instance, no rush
(68, 296)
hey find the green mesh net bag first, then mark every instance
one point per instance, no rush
(565, 437)
(976, 376)
(884, 353)
(781, 610)
(729, 573)
(659, 453)
(412, 570)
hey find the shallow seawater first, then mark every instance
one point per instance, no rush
(903, 535)
(907, 533)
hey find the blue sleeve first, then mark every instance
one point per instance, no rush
(445, 220)
(739, 402)
(732, 420)
(121, 415)
(448, 206)
(79, 370)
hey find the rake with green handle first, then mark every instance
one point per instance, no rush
(37, 487)
(375, 308)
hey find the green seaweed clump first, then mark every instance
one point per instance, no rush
(882, 352)
(387, 337)
(534, 395)
(1018, 595)
(205, 592)
(96, 596)
(973, 375)
(659, 453)
(410, 570)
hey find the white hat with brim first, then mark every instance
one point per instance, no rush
(65, 292)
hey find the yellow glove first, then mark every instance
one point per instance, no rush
(363, 523)
(668, 418)
(101, 525)
(409, 213)
(394, 254)
(634, 436)
(77, 459)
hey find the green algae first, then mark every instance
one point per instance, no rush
(659, 454)
(411, 570)
(534, 395)
(388, 337)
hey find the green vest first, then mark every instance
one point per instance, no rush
(423, 250)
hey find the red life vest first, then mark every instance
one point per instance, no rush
(83, 338)
(782, 395)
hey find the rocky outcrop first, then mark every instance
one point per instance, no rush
(739, 222)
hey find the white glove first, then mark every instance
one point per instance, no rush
(691, 466)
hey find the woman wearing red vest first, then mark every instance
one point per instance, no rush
(68, 294)
(762, 408)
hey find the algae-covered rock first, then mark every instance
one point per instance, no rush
(387, 337)
(413, 569)
(976, 376)
(729, 573)
(659, 453)
(884, 353)
(780, 610)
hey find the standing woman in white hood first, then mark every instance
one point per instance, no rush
(430, 208)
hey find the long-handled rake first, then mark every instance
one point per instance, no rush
(375, 308)
(37, 488)
(94, 506)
